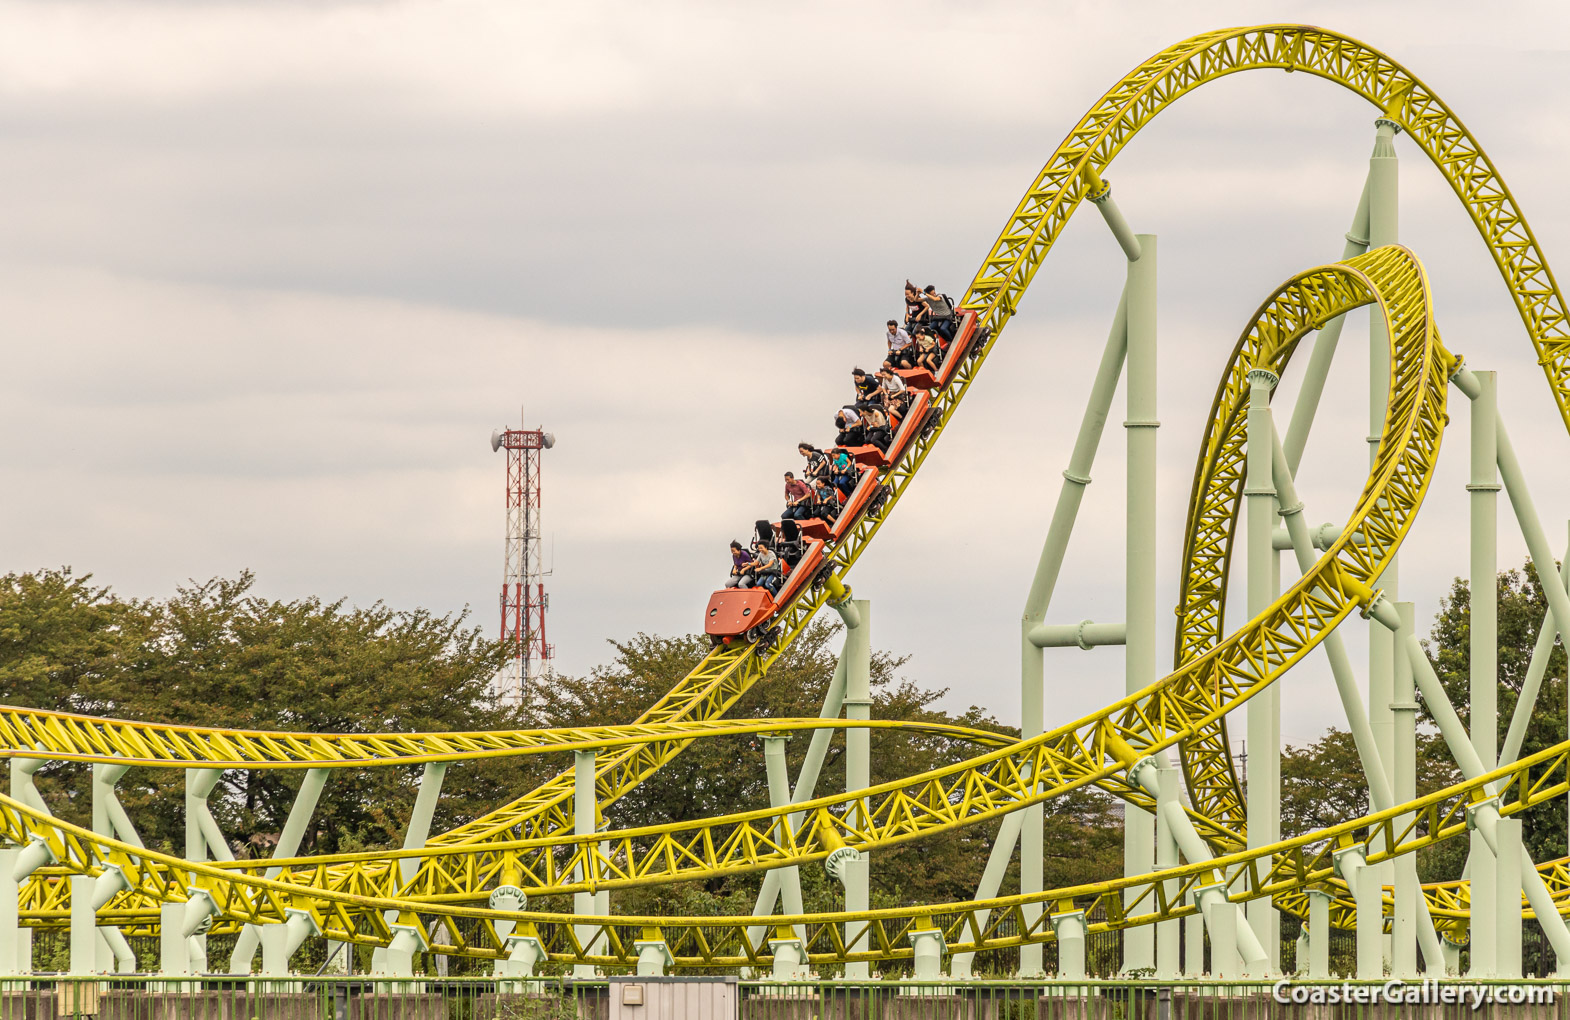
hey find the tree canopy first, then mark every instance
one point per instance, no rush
(215, 653)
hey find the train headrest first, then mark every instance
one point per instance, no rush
(791, 530)
(764, 530)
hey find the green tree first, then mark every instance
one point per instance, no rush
(726, 774)
(1323, 784)
(217, 655)
(1522, 608)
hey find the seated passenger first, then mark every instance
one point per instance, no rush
(798, 499)
(766, 572)
(896, 396)
(866, 389)
(928, 356)
(842, 470)
(940, 312)
(851, 431)
(825, 502)
(898, 341)
(817, 462)
(879, 433)
(740, 564)
(915, 308)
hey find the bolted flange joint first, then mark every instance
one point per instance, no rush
(1263, 376)
(1149, 761)
(836, 862)
(507, 897)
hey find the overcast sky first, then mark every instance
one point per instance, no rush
(271, 273)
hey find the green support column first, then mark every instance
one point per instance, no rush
(202, 836)
(244, 955)
(10, 928)
(1507, 900)
(1383, 229)
(585, 821)
(1169, 782)
(1380, 788)
(110, 819)
(858, 766)
(396, 959)
(1405, 919)
(1319, 933)
(1234, 946)
(1026, 826)
(806, 787)
(779, 796)
(1139, 950)
(1353, 867)
(1193, 942)
(1484, 815)
(1483, 489)
(1264, 709)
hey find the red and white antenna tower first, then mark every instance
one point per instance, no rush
(523, 600)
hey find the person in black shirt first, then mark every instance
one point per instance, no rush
(915, 308)
(866, 389)
(817, 462)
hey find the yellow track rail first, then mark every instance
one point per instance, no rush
(1215, 675)
(61, 736)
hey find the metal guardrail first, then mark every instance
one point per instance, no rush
(360, 998)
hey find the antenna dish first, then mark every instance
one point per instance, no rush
(550, 440)
(496, 440)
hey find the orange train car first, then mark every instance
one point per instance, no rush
(744, 613)
(741, 612)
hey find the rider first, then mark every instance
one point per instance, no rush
(915, 308)
(740, 566)
(896, 396)
(866, 388)
(766, 572)
(879, 433)
(798, 499)
(851, 430)
(825, 502)
(928, 355)
(842, 470)
(940, 312)
(899, 344)
(817, 462)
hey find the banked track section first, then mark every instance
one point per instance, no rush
(994, 295)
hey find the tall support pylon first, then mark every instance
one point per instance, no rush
(1264, 711)
(1139, 827)
(1383, 229)
(523, 599)
(1483, 496)
(858, 770)
(585, 821)
(1408, 893)
(1026, 827)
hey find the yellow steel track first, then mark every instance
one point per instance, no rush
(528, 839)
